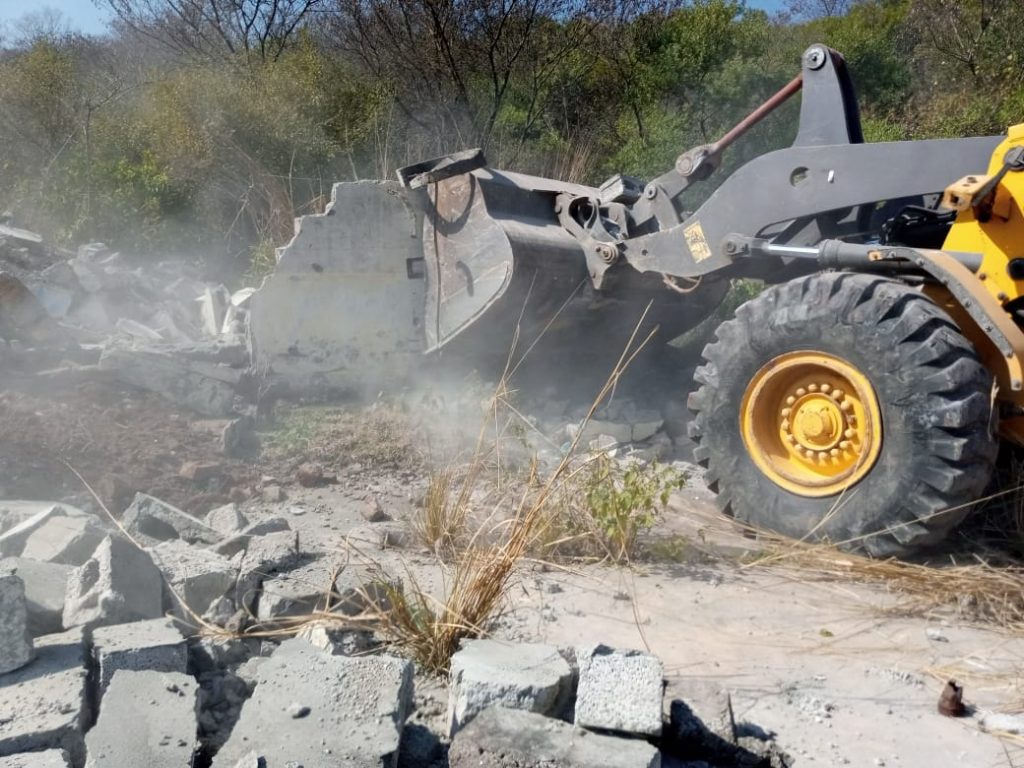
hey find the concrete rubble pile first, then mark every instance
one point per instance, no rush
(98, 313)
(102, 665)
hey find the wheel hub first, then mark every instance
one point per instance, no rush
(811, 423)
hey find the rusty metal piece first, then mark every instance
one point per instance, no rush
(951, 701)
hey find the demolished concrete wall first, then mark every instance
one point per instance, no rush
(340, 311)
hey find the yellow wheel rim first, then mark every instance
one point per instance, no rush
(810, 421)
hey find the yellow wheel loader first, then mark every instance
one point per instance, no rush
(859, 399)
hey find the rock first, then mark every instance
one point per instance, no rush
(199, 576)
(1001, 722)
(148, 719)
(491, 673)
(373, 512)
(207, 388)
(150, 521)
(45, 587)
(118, 584)
(201, 472)
(15, 640)
(273, 494)
(213, 303)
(155, 645)
(603, 444)
(227, 520)
(65, 540)
(45, 705)
(513, 738)
(51, 758)
(619, 691)
(137, 330)
(357, 708)
(310, 475)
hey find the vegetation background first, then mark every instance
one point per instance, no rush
(202, 127)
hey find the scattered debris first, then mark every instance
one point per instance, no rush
(118, 584)
(951, 700)
(15, 640)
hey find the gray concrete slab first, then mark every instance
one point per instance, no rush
(148, 719)
(44, 704)
(118, 584)
(322, 711)
(513, 738)
(492, 673)
(227, 520)
(156, 645)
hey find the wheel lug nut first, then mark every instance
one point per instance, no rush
(849, 434)
(838, 394)
(834, 452)
(845, 444)
(786, 411)
(812, 387)
(825, 388)
(846, 405)
(790, 400)
(801, 392)
(785, 424)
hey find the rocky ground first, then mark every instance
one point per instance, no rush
(192, 573)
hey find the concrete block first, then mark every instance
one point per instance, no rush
(45, 704)
(241, 541)
(66, 540)
(21, 520)
(118, 584)
(700, 716)
(227, 520)
(349, 711)
(148, 719)
(335, 640)
(619, 690)
(513, 738)
(51, 758)
(45, 587)
(296, 592)
(156, 645)
(491, 673)
(150, 521)
(199, 576)
(15, 640)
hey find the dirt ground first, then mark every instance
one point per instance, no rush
(833, 669)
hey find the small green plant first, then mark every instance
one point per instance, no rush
(623, 503)
(262, 261)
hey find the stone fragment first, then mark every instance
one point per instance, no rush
(373, 512)
(51, 758)
(150, 521)
(15, 640)
(491, 673)
(514, 738)
(137, 330)
(118, 584)
(198, 576)
(310, 475)
(700, 717)
(357, 708)
(227, 520)
(273, 494)
(335, 640)
(155, 645)
(201, 472)
(45, 705)
(148, 719)
(45, 588)
(65, 540)
(619, 691)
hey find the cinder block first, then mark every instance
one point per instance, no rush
(150, 521)
(619, 691)
(199, 576)
(15, 640)
(51, 758)
(118, 584)
(45, 589)
(61, 539)
(491, 673)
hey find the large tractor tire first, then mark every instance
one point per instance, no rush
(845, 408)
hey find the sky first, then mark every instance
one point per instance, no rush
(84, 16)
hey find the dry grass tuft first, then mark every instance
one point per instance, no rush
(440, 525)
(977, 591)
